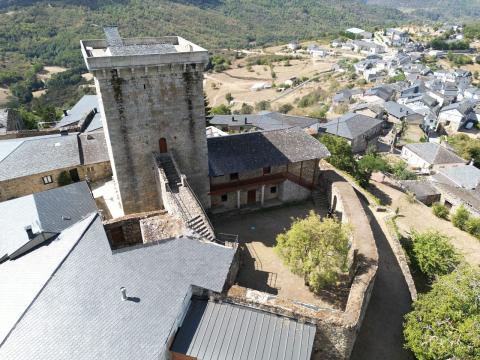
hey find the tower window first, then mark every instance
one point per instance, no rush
(273, 190)
(47, 179)
(224, 197)
(144, 86)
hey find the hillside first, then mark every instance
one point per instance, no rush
(452, 10)
(50, 30)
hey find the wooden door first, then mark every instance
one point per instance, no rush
(162, 144)
(251, 196)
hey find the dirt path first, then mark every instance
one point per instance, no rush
(420, 217)
(381, 337)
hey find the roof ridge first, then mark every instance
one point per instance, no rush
(13, 150)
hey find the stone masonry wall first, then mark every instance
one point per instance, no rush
(142, 105)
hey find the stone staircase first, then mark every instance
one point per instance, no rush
(320, 200)
(198, 225)
(183, 200)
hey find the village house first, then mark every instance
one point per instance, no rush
(427, 157)
(359, 130)
(30, 165)
(345, 96)
(397, 113)
(262, 168)
(80, 115)
(265, 120)
(458, 115)
(359, 33)
(395, 37)
(378, 94)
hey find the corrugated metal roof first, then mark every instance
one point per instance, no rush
(217, 331)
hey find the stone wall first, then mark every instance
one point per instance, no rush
(336, 329)
(26, 185)
(291, 192)
(142, 105)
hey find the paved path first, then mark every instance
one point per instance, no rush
(381, 336)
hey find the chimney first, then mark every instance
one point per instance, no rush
(65, 112)
(124, 293)
(63, 132)
(233, 118)
(95, 110)
(246, 121)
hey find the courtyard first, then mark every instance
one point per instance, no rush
(261, 268)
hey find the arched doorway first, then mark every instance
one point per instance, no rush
(162, 144)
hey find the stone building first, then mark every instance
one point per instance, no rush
(151, 99)
(263, 167)
(30, 165)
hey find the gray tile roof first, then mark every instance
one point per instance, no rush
(466, 176)
(384, 92)
(43, 210)
(420, 188)
(463, 107)
(264, 121)
(79, 313)
(95, 124)
(118, 48)
(79, 111)
(214, 331)
(435, 154)
(350, 125)
(94, 147)
(399, 111)
(28, 156)
(250, 151)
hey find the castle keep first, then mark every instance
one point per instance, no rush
(151, 98)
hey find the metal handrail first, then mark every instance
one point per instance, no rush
(179, 204)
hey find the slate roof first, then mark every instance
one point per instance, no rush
(264, 120)
(255, 150)
(79, 111)
(95, 124)
(463, 107)
(399, 111)
(94, 147)
(29, 156)
(214, 330)
(383, 92)
(74, 309)
(435, 154)
(466, 176)
(350, 126)
(421, 189)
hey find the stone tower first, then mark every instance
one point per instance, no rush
(151, 98)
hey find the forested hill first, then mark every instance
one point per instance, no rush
(452, 10)
(50, 30)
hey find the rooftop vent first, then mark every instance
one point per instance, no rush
(124, 293)
(65, 217)
(65, 112)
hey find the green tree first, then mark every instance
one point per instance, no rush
(460, 217)
(445, 322)
(341, 152)
(221, 110)
(401, 172)
(64, 179)
(228, 97)
(316, 249)
(367, 165)
(433, 253)
(440, 210)
(262, 105)
(473, 226)
(246, 109)
(467, 147)
(285, 108)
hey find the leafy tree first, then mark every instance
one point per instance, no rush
(445, 322)
(228, 97)
(64, 179)
(473, 226)
(285, 108)
(460, 217)
(315, 248)
(221, 110)
(440, 210)
(401, 172)
(341, 152)
(321, 113)
(246, 109)
(367, 165)
(466, 147)
(262, 105)
(433, 253)
(312, 98)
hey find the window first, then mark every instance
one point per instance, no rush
(47, 179)
(273, 190)
(234, 176)
(224, 197)
(267, 170)
(90, 169)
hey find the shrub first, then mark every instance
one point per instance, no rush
(433, 253)
(285, 108)
(315, 248)
(460, 217)
(341, 152)
(445, 322)
(64, 178)
(262, 105)
(440, 210)
(400, 172)
(473, 226)
(221, 110)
